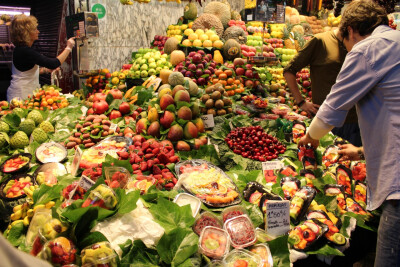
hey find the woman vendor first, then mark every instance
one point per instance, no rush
(26, 61)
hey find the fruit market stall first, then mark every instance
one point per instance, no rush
(185, 156)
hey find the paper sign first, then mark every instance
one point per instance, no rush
(84, 110)
(85, 182)
(76, 161)
(113, 127)
(208, 120)
(272, 165)
(250, 17)
(277, 221)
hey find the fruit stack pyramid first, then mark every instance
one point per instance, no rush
(149, 62)
(215, 101)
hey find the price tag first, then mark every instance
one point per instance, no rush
(84, 110)
(272, 165)
(76, 161)
(85, 182)
(250, 17)
(113, 127)
(277, 221)
(208, 120)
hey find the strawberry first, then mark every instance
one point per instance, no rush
(156, 169)
(143, 166)
(149, 156)
(150, 163)
(145, 145)
(163, 158)
(156, 151)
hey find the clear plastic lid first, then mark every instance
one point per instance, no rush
(264, 252)
(117, 176)
(51, 152)
(214, 242)
(233, 211)
(262, 236)
(206, 218)
(39, 219)
(241, 257)
(59, 252)
(183, 199)
(99, 253)
(102, 196)
(241, 231)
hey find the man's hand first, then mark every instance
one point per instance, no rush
(71, 42)
(349, 152)
(305, 140)
(310, 108)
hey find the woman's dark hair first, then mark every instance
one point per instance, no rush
(363, 16)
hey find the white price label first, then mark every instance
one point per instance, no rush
(250, 17)
(277, 220)
(85, 182)
(84, 110)
(113, 127)
(208, 120)
(272, 165)
(76, 161)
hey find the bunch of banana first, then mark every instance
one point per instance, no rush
(126, 2)
(25, 211)
(29, 190)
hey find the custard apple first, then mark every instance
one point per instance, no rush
(4, 139)
(39, 135)
(4, 127)
(47, 127)
(36, 116)
(27, 126)
(20, 112)
(19, 140)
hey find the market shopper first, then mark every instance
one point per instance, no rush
(26, 61)
(370, 79)
(325, 54)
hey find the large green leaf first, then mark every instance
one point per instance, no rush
(326, 250)
(177, 246)
(127, 202)
(171, 216)
(255, 214)
(137, 254)
(280, 251)
(16, 234)
(46, 193)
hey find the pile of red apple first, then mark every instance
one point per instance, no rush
(304, 80)
(159, 42)
(150, 159)
(237, 23)
(248, 51)
(253, 143)
(196, 65)
(245, 72)
(274, 42)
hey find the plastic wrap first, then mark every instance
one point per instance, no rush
(300, 203)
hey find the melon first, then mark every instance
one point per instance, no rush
(164, 75)
(190, 11)
(177, 57)
(176, 78)
(220, 10)
(231, 49)
(171, 45)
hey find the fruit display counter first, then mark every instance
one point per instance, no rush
(185, 167)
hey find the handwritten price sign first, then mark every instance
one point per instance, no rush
(277, 221)
(208, 120)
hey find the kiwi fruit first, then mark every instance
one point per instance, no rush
(216, 95)
(227, 101)
(219, 104)
(221, 112)
(210, 103)
(229, 110)
(209, 90)
(204, 98)
(211, 111)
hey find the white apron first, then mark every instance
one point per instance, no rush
(23, 83)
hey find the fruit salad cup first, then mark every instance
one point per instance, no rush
(59, 252)
(99, 255)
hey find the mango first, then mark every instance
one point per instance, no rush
(165, 101)
(195, 109)
(190, 131)
(152, 114)
(204, 139)
(176, 89)
(182, 95)
(141, 125)
(185, 113)
(154, 129)
(164, 91)
(175, 133)
(197, 143)
(199, 124)
(167, 119)
(166, 143)
(182, 146)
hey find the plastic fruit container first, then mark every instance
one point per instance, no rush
(39, 219)
(13, 188)
(183, 199)
(116, 177)
(51, 152)
(263, 251)
(58, 252)
(241, 231)
(262, 236)
(214, 242)
(232, 212)
(102, 196)
(17, 163)
(99, 254)
(48, 173)
(205, 219)
(241, 257)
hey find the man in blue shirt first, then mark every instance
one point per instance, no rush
(370, 79)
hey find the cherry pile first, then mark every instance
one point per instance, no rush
(253, 143)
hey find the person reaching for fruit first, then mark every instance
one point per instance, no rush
(370, 79)
(325, 54)
(26, 61)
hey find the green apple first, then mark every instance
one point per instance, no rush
(263, 76)
(152, 65)
(143, 61)
(151, 60)
(144, 73)
(159, 62)
(141, 50)
(137, 73)
(157, 56)
(163, 60)
(164, 56)
(158, 69)
(147, 56)
(135, 67)
(166, 68)
(144, 67)
(152, 72)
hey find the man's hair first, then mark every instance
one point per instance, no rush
(21, 28)
(363, 16)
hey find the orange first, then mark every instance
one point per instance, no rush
(228, 87)
(218, 72)
(228, 72)
(231, 92)
(50, 101)
(236, 82)
(215, 80)
(230, 81)
(223, 82)
(222, 76)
